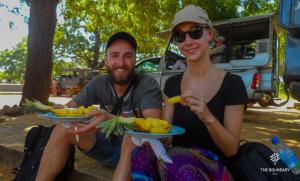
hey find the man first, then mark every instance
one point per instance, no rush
(217, 53)
(121, 92)
(180, 65)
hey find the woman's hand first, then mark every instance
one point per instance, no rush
(168, 142)
(98, 117)
(197, 104)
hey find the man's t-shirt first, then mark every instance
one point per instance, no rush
(146, 94)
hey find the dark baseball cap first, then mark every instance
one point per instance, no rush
(122, 36)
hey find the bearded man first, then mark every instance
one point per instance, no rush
(121, 92)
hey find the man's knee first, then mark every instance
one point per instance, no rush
(61, 134)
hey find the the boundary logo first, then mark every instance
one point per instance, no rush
(274, 158)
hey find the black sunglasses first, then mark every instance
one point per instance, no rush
(194, 33)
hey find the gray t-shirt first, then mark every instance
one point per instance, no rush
(147, 94)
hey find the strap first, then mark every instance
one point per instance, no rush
(117, 108)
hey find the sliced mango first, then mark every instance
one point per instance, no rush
(174, 100)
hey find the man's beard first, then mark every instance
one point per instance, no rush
(124, 81)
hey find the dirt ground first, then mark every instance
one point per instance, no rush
(262, 125)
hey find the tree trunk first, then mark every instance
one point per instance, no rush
(96, 51)
(39, 63)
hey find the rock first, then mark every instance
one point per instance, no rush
(12, 111)
(2, 119)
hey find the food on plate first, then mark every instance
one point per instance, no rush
(118, 125)
(66, 112)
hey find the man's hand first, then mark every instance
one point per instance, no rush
(59, 106)
(98, 117)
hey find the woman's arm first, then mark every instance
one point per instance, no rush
(227, 137)
(123, 169)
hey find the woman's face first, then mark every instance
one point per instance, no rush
(194, 48)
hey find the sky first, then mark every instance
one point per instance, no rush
(10, 37)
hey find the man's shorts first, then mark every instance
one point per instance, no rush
(106, 150)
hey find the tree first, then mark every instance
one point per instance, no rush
(12, 62)
(42, 22)
(254, 7)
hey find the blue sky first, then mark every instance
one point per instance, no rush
(10, 37)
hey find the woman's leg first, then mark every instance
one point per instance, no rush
(190, 164)
(123, 169)
(144, 164)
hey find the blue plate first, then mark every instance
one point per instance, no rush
(175, 130)
(69, 119)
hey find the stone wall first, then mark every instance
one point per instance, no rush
(11, 87)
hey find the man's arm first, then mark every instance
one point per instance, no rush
(218, 49)
(72, 104)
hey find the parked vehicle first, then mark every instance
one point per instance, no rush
(289, 18)
(252, 52)
(72, 80)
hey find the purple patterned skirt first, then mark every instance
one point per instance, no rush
(188, 164)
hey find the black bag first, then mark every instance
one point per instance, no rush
(35, 143)
(253, 163)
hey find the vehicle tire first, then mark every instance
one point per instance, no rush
(265, 101)
(69, 92)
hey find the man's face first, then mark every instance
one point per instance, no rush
(120, 61)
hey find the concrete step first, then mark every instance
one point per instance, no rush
(12, 137)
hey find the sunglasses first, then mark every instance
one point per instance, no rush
(194, 33)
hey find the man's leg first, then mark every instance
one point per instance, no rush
(57, 151)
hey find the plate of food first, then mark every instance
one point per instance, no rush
(140, 127)
(53, 117)
(174, 130)
(79, 114)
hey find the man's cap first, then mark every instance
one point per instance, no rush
(122, 36)
(191, 13)
(220, 38)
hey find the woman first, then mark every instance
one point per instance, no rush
(211, 111)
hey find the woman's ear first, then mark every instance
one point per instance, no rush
(210, 35)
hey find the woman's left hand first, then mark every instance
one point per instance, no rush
(197, 104)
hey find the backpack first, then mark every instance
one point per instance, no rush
(253, 162)
(35, 143)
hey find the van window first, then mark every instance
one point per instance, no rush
(149, 65)
(172, 55)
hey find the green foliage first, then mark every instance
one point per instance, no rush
(254, 7)
(88, 25)
(81, 38)
(13, 62)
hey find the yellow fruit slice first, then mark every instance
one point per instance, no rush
(154, 124)
(174, 100)
(159, 130)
